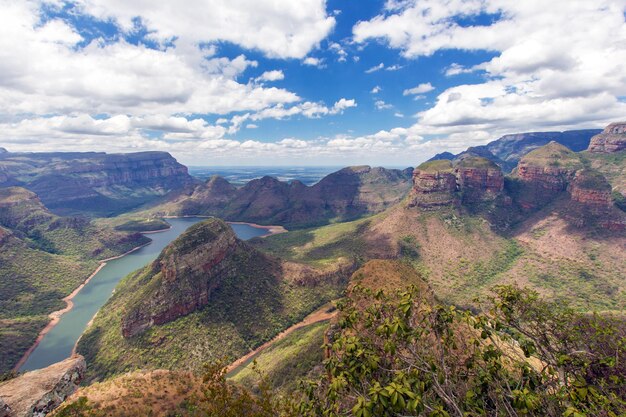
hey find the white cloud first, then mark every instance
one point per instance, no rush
(375, 68)
(252, 126)
(394, 68)
(456, 69)
(342, 104)
(420, 89)
(552, 68)
(398, 114)
(314, 62)
(278, 28)
(274, 75)
(42, 72)
(381, 105)
(377, 89)
(338, 49)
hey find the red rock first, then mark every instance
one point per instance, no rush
(612, 139)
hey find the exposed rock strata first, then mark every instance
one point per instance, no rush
(612, 139)
(37, 393)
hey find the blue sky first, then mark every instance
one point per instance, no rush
(314, 83)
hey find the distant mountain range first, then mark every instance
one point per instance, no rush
(507, 151)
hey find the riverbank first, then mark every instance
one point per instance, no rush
(55, 316)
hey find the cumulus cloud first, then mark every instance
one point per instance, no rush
(420, 89)
(278, 28)
(377, 89)
(314, 62)
(45, 72)
(381, 105)
(274, 75)
(551, 68)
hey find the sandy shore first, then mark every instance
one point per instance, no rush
(271, 230)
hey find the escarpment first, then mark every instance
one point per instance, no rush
(94, 182)
(183, 277)
(612, 139)
(434, 185)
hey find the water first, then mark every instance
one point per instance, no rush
(59, 342)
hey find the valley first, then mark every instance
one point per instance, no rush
(550, 221)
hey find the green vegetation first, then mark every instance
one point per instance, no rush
(286, 362)
(143, 225)
(441, 165)
(473, 161)
(403, 354)
(322, 246)
(16, 336)
(43, 258)
(553, 155)
(250, 301)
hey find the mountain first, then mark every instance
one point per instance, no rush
(94, 183)
(208, 295)
(43, 258)
(508, 150)
(343, 195)
(552, 225)
(607, 154)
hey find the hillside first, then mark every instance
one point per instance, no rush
(509, 149)
(553, 226)
(344, 195)
(94, 183)
(43, 258)
(208, 296)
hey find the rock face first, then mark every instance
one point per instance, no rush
(182, 279)
(94, 182)
(612, 139)
(478, 179)
(434, 185)
(37, 393)
(592, 190)
(468, 180)
(546, 172)
(343, 195)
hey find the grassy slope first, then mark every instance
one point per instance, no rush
(612, 166)
(43, 258)
(461, 257)
(287, 361)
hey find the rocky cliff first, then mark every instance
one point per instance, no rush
(182, 279)
(434, 185)
(612, 139)
(37, 393)
(468, 180)
(546, 172)
(94, 183)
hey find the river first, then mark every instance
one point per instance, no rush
(59, 342)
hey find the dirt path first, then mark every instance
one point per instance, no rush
(319, 315)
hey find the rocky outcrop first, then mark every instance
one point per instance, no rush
(478, 179)
(94, 182)
(468, 180)
(37, 393)
(434, 185)
(612, 139)
(183, 277)
(5, 410)
(544, 173)
(592, 190)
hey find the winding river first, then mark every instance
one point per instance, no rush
(59, 342)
